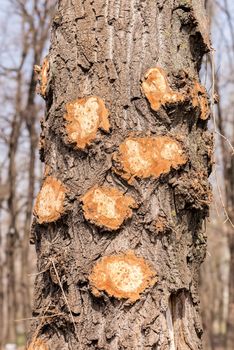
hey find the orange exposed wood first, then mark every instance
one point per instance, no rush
(199, 99)
(84, 117)
(158, 92)
(49, 204)
(107, 207)
(44, 76)
(161, 224)
(122, 276)
(38, 344)
(148, 156)
(157, 89)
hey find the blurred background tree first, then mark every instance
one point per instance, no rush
(25, 31)
(217, 277)
(24, 41)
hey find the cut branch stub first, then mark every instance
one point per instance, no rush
(123, 276)
(44, 77)
(199, 99)
(38, 344)
(148, 156)
(158, 92)
(85, 116)
(107, 207)
(49, 204)
(157, 89)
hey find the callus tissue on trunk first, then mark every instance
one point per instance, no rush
(118, 230)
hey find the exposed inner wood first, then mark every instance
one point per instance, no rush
(38, 344)
(199, 99)
(159, 93)
(44, 77)
(85, 116)
(148, 156)
(107, 206)
(49, 204)
(122, 276)
(157, 89)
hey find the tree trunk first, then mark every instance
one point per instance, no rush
(119, 219)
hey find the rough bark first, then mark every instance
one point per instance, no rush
(104, 48)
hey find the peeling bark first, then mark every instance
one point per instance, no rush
(105, 48)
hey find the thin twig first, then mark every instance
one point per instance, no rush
(64, 295)
(37, 273)
(227, 217)
(39, 317)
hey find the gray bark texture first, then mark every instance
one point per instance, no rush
(104, 48)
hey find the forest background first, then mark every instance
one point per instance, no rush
(24, 38)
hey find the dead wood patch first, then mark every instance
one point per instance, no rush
(38, 344)
(157, 90)
(200, 100)
(49, 204)
(124, 276)
(144, 157)
(84, 117)
(108, 207)
(161, 224)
